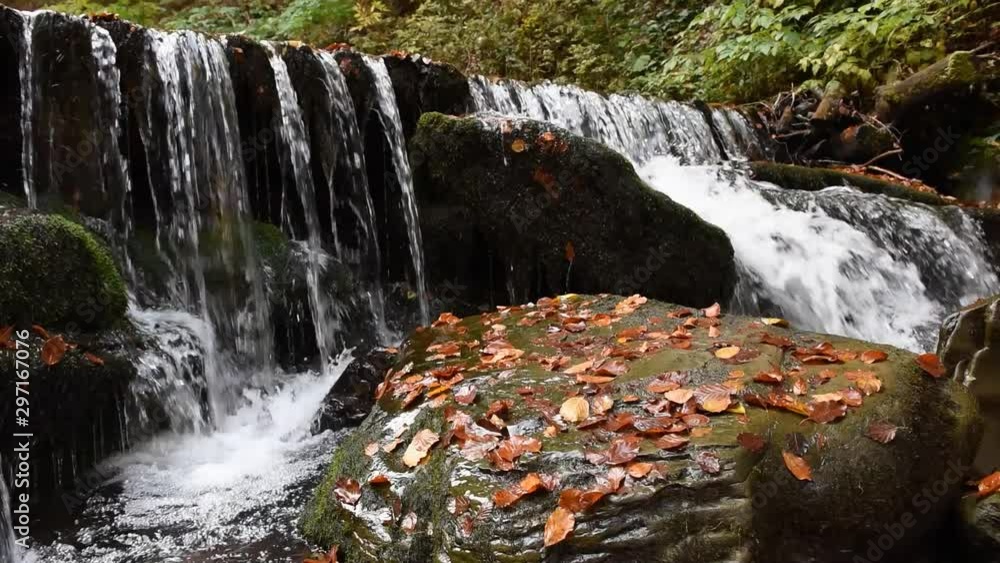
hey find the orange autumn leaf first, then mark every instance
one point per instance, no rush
(931, 364)
(579, 368)
(713, 398)
(570, 252)
(576, 500)
(639, 469)
(446, 319)
(798, 466)
(519, 146)
(419, 446)
(558, 527)
(378, 480)
(727, 353)
(874, 357)
(825, 412)
(751, 442)
(94, 359)
(989, 485)
(679, 396)
(53, 351)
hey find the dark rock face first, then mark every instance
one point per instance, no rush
(982, 539)
(77, 408)
(512, 212)
(11, 31)
(423, 86)
(353, 396)
(970, 349)
(707, 499)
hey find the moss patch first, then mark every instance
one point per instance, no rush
(55, 273)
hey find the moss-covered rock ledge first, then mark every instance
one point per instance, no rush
(793, 177)
(658, 433)
(515, 209)
(53, 272)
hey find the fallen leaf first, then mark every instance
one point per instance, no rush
(679, 396)
(601, 404)
(570, 252)
(751, 442)
(348, 491)
(37, 329)
(409, 523)
(466, 396)
(931, 364)
(639, 469)
(769, 377)
(576, 500)
(575, 409)
(378, 480)
(419, 446)
(519, 146)
(798, 466)
(579, 368)
(989, 485)
(825, 412)
(671, 442)
(882, 432)
(874, 357)
(727, 353)
(94, 359)
(709, 462)
(53, 351)
(713, 312)
(775, 322)
(713, 398)
(446, 319)
(5, 334)
(559, 525)
(371, 449)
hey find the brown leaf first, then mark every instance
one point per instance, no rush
(882, 432)
(638, 470)
(825, 412)
(769, 377)
(798, 466)
(519, 146)
(576, 500)
(601, 404)
(94, 359)
(713, 312)
(53, 351)
(570, 252)
(446, 319)
(579, 368)
(709, 462)
(466, 396)
(671, 442)
(931, 364)
(679, 396)
(575, 409)
(751, 442)
(371, 449)
(622, 450)
(874, 357)
(713, 398)
(348, 491)
(419, 446)
(378, 480)
(559, 525)
(990, 485)
(5, 334)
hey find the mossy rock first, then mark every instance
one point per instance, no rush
(969, 346)
(982, 529)
(793, 177)
(512, 210)
(751, 508)
(53, 272)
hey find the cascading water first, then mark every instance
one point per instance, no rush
(8, 548)
(26, 70)
(391, 121)
(359, 201)
(297, 159)
(838, 261)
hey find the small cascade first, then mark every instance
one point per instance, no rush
(359, 201)
(8, 548)
(637, 127)
(387, 105)
(838, 261)
(199, 194)
(26, 71)
(296, 160)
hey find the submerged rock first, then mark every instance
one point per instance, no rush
(655, 436)
(511, 210)
(969, 347)
(53, 272)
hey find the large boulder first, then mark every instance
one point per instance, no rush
(353, 396)
(982, 533)
(512, 210)
(592, 393)
(53, 272)
(969, 347)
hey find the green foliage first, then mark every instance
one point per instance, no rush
(718, 50)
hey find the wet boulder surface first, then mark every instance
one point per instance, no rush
(606, 429)
(512, 210)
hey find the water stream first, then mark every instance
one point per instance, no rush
(26, 71)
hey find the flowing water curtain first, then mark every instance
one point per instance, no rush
(393, 125)
(296, 159)
(189, 132)
(357, 200)
(8, 547)
(26, 72)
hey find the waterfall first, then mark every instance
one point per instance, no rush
(386, 100)
(838, 261)
(637, 127)
(8, 547)
(26, 71)
(199, 194)
(297, 159)
(351, 149)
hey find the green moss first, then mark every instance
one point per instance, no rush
(271, 243)
(54, 272)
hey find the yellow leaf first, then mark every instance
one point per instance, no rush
(575, 409)
(727, 353)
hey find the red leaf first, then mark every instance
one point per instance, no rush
(53, 351)
(989, 485)
(931, 364)
(798, 466)
(825, 412)
(751, 442)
